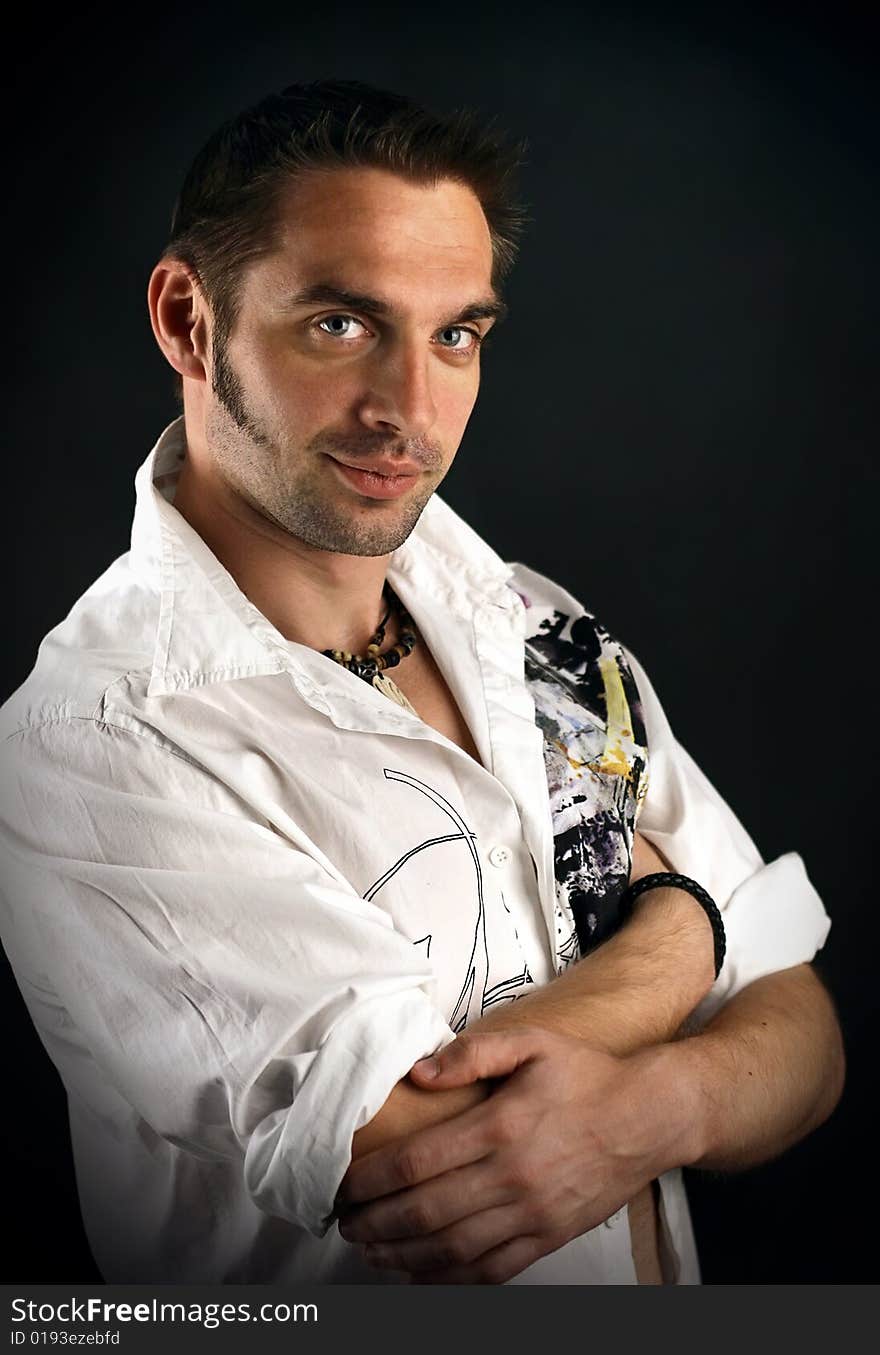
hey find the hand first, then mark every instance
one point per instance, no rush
(570, 1136)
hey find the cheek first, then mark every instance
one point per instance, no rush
(308, 400)
(456, 403)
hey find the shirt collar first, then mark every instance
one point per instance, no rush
(208, 631)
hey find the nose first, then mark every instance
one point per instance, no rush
(399, 398)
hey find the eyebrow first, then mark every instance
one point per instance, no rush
(327, 293)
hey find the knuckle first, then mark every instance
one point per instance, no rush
(504, 1127)
(416, 1218)
(408, 1166)
(496, 1269)
(544, 1220)
(538, 1038)
(463, 1048)
(512, 1260)
(451, 1253)
(522, 1176)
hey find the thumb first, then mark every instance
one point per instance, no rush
(471, 1057)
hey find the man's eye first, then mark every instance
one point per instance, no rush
(458, 339)
(340, 326)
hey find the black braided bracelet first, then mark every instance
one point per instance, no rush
(668, 880)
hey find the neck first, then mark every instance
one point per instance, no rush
(313, 597)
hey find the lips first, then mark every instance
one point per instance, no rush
(390, 470)
(384, 479)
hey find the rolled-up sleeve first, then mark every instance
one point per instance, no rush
(773, 917)
(244, 1001)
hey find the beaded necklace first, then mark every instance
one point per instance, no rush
(372, 665)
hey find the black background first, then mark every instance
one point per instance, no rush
(674, 423)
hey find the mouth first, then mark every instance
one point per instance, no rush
(388, 483)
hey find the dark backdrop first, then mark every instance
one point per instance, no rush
(674, 423)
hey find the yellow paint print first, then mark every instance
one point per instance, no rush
(618, 728)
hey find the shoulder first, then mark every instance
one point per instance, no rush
(551, 610)
(562, 636)
(104, 644)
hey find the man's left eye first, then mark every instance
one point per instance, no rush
(457, 338)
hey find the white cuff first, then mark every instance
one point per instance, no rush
(297, 1156)
(772, 921)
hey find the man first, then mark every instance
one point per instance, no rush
(309, 783)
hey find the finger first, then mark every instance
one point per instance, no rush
(427, 1208)
(493, 1267)
(419, 1157)
(451, 1247)
(471, 1057)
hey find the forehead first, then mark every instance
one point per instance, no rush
(426, 246)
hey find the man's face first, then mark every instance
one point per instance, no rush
(339, 400)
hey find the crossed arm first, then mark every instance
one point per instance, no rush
(548, 1115)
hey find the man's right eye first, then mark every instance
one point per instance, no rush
(338, 326)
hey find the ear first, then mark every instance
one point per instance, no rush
(179, 316)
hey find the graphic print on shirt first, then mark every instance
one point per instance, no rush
(596, 759)
(476, 993)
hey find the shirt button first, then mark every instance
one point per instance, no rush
(499, 856)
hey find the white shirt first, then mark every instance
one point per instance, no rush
(241, 890)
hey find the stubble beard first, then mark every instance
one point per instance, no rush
(302, 502)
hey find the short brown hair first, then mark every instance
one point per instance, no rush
(226, 214)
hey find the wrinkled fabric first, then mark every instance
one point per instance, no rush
(242, 892)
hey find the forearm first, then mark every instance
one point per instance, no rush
(634, 990)
(766, 1071)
